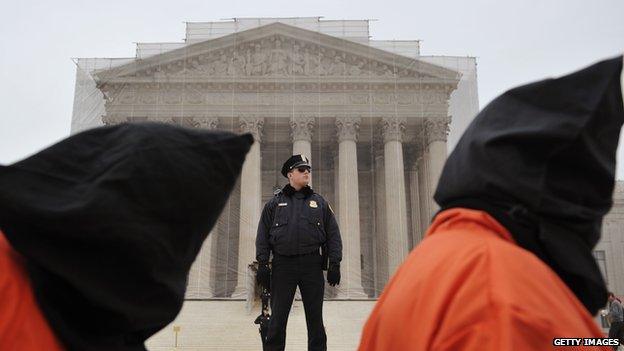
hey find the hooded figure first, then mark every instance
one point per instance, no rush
(507, 262)
(108, 222)
(541, 160)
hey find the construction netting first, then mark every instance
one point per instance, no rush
(373, 117)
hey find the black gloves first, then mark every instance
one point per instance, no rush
(264, 275)
(333, 274)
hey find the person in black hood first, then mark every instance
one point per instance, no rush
(109, 221)
(541, 160)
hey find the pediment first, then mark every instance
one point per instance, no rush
(278, 52)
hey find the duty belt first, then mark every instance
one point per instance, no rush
(313, 253)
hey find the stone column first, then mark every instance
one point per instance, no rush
(200, 284)
(349, 207)
(392, 129)
(381, 239)
(436, 131)
(332, 292)
(301, 129)
(417, 234)
(250, 204)
(423, 192)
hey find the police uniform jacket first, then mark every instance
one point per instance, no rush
(295, 223)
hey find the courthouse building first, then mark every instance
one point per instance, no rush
(372, 115)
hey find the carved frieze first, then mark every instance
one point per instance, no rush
(359, 99)
(280, 56)
(382, 98)
(127, 97)
(432, 97)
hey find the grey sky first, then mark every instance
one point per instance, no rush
(514, 42)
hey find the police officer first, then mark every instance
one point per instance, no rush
(294, 225)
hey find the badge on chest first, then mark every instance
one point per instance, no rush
(313, 204)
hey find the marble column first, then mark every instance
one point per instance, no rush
(332, 291)
(436, 132)
(417, 234)
(424, 193)
(381, 239)
(200, 284)
(349, 207)
(301, 129)
(250, 204)
(392, 129)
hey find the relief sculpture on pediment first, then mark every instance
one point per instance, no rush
(277, 56)
(278, 60)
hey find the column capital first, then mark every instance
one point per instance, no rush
(252, 125)
(436, 129)
(160, 119)
(393, 128)
(347, 127)
(208, 123)
(301, 128)
(113, 120)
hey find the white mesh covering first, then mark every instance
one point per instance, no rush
(373, 116)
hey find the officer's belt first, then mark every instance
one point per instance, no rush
(315, 252)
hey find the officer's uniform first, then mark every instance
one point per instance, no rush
(293, 226)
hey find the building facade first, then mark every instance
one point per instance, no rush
(373, 116)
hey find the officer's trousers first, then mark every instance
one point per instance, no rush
(288, 273)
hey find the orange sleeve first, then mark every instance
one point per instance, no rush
(22, 325)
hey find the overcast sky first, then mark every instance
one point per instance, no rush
(514, 41)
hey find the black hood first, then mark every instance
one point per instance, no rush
(109, 222)
(541, 159)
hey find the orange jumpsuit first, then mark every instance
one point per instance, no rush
(468, 286)
(22, 325)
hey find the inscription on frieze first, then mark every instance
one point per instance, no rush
(195, 96)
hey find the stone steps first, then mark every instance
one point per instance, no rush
(226, 325)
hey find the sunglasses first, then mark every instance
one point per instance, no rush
(303, 169)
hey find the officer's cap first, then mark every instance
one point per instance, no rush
(293, 162)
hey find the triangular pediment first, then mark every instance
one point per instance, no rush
(277, 52)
